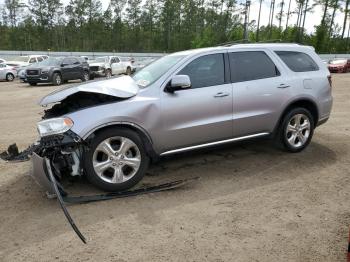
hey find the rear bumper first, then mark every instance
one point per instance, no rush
(40, 175)
(336, 70)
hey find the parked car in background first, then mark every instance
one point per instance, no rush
(2, 60)
(7, 72)
(110, 130)
(20, 62)
(339, 65)
(110, 65)
(58, 70)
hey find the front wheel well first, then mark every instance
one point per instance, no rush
(144, 137)
(303, 103)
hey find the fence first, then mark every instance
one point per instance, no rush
(9, 54)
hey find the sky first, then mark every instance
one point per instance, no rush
(312, 19)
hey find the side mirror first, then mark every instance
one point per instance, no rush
(178, 82)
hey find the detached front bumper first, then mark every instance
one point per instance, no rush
(61, 151)
(40, 174)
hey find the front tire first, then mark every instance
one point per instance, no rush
(296, 130)
(108, 73)
(85, 77)
(116, 160)
(33, 83)
(56, 79)
(10, 77)
(128, 71)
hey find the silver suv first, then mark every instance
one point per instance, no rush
(110, 130)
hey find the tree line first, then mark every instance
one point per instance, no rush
(166, 25)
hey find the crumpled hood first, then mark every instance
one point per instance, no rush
(122, 87)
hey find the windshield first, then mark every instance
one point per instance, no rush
(337, 62)
(101, 59)
(152, 72)
(52, 61)
(20, 59)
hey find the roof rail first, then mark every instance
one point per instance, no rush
(230, 43)
(271, 41)
(244, 41)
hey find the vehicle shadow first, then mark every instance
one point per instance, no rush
(223, 170)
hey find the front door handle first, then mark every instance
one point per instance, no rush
(221, 94)
(283, 86)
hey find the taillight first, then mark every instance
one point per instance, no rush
(330, 80)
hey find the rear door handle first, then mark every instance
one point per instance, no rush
(221, 94)
(283, 86)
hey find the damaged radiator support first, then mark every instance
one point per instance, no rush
(62, 199)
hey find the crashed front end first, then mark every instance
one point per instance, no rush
(58, 143)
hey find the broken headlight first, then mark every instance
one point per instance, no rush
(54, 126)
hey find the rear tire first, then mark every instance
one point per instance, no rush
(116, 159)
(57, 79)
(296, 130)
(128, 71)
(10, 77)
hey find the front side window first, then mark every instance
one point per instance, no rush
(251, 65)
(297, 61)
(32, 60)
(208, 70)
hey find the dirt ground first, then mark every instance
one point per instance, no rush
(252, 203)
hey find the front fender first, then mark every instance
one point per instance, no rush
(139, 112)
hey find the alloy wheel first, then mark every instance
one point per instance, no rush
(58, 80)
(10, 77)
(108, 74)
(298, 130)
(86, 76)
(116, 159)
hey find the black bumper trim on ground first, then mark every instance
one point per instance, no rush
(108, 196)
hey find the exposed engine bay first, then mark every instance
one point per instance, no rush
(78, 101)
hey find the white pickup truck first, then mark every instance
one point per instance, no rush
(109, 65)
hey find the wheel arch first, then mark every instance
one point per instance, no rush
(301, 102)
(145, 137)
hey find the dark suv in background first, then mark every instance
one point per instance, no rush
(58, 70)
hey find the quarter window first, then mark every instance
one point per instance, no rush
(208, 70)
(252, 65)
(297, 61)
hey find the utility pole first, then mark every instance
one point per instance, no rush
(281, 14)
(272, 12)
(246, 18)
(258, 28)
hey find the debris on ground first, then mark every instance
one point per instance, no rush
(12, 153)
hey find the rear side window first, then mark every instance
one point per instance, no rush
(252, 65)
(297, 61)
(208, 70)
